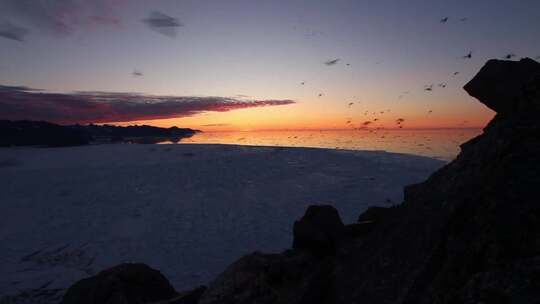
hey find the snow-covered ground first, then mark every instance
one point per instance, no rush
(187, 210)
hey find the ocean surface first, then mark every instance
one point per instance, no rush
(440, 144)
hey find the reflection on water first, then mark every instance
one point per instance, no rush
(441, 144)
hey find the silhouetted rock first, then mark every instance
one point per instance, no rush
(122, 284)
(500, 85)
(318, 230)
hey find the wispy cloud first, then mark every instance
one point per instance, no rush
(13, 32)
(60, 17)
(94, 107)
(163, 24)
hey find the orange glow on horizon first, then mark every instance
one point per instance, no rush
(318, 115)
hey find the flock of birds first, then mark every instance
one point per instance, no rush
(427, 88)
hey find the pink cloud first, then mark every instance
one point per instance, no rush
(19, 103)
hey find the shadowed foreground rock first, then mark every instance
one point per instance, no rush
(469, 234)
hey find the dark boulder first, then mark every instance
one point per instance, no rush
(122, 284)
(318, 230)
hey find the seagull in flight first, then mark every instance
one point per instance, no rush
(137, 73)
(509, 56)
(332, 62)
(468, 56)
(444, 20)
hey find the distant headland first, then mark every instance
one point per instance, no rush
(41, 133)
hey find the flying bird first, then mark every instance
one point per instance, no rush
(399, 120)
(442, 85)
(428, 88)
(348, 64)
(12, 32)
(430, 111)
(444, 20)
(320, 94)
(163, 24)
(350, 104)
(137, 73)
(332, 62)
(468, 56)
(456, 73)
(509, 56)
(302, 83)
(463, 19)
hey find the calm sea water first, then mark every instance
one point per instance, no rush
(440, 144)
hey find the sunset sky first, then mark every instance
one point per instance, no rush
(239, 65)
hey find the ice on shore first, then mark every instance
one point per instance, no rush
(187, 210)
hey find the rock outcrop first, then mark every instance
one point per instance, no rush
(468, 234)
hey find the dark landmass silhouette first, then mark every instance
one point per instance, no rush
(40, 133)
(469, 234)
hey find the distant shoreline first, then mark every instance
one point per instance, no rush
(41, 133)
